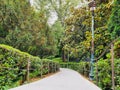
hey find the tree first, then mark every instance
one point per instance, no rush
(62, 8)
(114, 22)
(78, 31)
(15, 23)
(22, 27)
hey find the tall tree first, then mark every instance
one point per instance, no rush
(25, 28)
(114, 22)
(62, 8)
(78, 31)
(15, 21)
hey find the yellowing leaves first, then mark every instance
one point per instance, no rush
(86, 44)
(42, 40)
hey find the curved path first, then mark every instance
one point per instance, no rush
(66, 79)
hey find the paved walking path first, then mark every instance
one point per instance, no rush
(66, 79)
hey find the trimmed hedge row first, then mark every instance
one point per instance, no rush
(104, 75)
(81, 67)
(17, 67)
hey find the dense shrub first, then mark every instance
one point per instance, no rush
(14, 66)
(81, 67)
(105, 76)
(104, 71)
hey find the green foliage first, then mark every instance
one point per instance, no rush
(117, 49)
(117, 74)
(82, 67)
(104, 71)
(104, 74)
(75, 34)
(77, 39)
(114, 22)
(25, 29)
(62, 8)
(59, 60)
(17, 37)
(13, 66)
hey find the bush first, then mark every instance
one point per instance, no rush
(105, 76)
(13, 67)
(82, 67)
(104, 71)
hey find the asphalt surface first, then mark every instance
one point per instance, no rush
(66, 79)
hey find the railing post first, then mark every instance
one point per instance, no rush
(41, 67)
(97, 72)
(48, 67)
(28, 70)
(112, 66)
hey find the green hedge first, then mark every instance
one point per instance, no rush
(13, 67)
(104, 72)
(81, 67)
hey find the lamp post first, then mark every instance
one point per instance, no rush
(92, 6)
